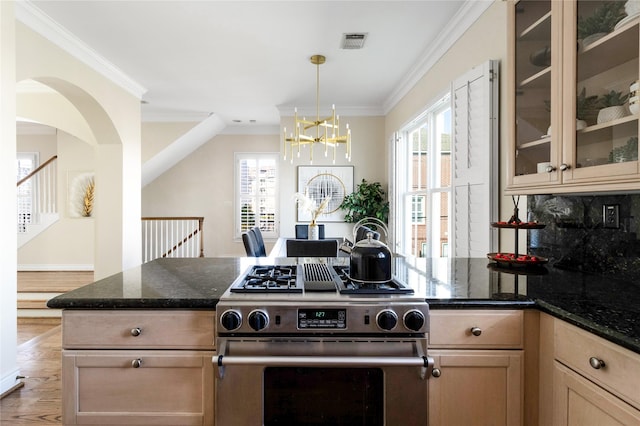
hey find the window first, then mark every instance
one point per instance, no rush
(445, 172)
(256, 193)
(26, 162)
(423, 182)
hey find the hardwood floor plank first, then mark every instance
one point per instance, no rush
(39, 401)
(52, 281)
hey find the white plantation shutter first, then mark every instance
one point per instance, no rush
(475, 161)
(256, 186)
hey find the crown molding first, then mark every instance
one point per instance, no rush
(343, 111)
(464, 18)
(38, 21)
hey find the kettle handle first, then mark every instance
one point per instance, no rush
(380, 225)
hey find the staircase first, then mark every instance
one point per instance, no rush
(35, 288)
(37, 201)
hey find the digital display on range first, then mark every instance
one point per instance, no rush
(322, 318)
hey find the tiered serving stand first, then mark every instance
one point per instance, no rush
(508, 260)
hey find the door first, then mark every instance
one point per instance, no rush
(476, 388)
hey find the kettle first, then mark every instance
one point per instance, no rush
(370, 259)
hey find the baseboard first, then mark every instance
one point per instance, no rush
(9, 383)
(49, 267)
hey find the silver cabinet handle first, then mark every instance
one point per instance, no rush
(136, 331)
(564, 167)
(476, 331)
(436, 372)
(596, 363)
(136, 363)
(550, 169)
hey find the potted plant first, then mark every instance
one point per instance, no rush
(601, 22)
(368, 200)
(612, 105)
(586, 109)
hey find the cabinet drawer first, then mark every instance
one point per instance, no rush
(620, 374)
(163, 388)
(476, 329)
(153, 329)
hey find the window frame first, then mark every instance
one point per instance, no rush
(405, 195)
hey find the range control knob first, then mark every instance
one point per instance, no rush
(387, 319)
(258, 320)
(231, 320)
(413, 320)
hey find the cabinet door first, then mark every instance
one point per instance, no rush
(534, 95)
(476, 388)
(137, 387)
(600, 142)
(579, 402)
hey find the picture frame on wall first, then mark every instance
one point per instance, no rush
(318, 182)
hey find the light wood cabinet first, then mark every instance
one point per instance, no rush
(478, 371)
(138, 367)
(584, 379)
(554, 145)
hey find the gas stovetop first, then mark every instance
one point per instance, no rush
(310, 277)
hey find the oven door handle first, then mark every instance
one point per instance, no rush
(424, 362)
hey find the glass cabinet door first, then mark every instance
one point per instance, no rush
(535, 81)
(601, 74)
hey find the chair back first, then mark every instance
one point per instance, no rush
(250, 244)
(262, 250)
(302, 232)
(312, 248)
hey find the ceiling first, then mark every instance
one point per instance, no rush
(248, 61)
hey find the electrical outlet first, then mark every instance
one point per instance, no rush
(611, 216)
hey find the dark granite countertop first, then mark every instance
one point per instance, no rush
(604, 306)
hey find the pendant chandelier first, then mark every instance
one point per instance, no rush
(322, 131)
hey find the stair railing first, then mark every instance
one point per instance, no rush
(38, 188)
(172, 237)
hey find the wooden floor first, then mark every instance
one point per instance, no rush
(39, 401)
(52, 281)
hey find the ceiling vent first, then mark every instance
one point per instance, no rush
(353, 40)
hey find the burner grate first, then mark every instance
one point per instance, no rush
(268, 279)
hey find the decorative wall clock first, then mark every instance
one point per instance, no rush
(318, 182)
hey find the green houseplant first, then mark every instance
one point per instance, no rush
(602, 21)
(368, 200)
(612, 105)
(586, 106)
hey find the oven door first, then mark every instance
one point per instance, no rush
(322, 381)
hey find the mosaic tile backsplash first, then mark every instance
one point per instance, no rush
(576, 237)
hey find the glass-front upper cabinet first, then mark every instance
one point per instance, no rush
(534, 93)
(574, 108)
(601, 78)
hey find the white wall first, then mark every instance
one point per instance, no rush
(486, 39)
(202, 185)
(46, 252)
(156, 136)
(369, 161)
(8, 330)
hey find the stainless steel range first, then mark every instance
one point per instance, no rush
(305, 345)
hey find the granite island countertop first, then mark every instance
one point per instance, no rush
(604, 306)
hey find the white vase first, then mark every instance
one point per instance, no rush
(612, 113)
(313, 233)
